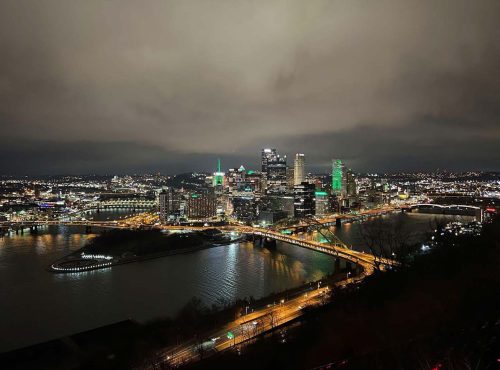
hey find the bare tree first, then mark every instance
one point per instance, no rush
(372, 235)
(272, 317)
(246, 331)
(387, 239)
(200, 349)
(257, 327)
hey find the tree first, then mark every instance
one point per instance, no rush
(388, 239)
(200, 349)
(272, 317)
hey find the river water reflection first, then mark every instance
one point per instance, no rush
(36, 305)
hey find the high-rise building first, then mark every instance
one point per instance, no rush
(267, 218)
(244, 208)
(275, 170)
(304, 200)
(277, 203)
(290, 180)
(201, 205)
(170, 205)
(299, 169)
(218, 177)
(254, 181)
(350, 182)
(322, 203)
(235, 180)
(266, 155)
(338, 178)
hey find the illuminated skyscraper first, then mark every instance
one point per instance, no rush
(201, 205)
(170, 205)
(274, 170)
(290, 181)
(322, 203)
(267, 154)
(338, 174)
(304, 200)
(218, 176)
(299, 169)
(244, 208)
(350, 182)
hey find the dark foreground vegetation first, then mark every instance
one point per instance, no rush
(440, 312)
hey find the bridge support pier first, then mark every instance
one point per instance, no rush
(338, 222)
(256, 240)
(88, 229)
(269, 243)
(337, 264)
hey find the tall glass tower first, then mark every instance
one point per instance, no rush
(218, 179)
(274, 170)
(337, 177)
(299, 169)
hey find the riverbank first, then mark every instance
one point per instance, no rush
(118, 247)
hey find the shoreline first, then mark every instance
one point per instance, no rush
(124, 260)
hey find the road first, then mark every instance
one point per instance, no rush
(243, 329)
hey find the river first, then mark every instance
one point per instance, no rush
(36, 305)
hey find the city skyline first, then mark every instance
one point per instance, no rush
(278, 184)
(91, 87)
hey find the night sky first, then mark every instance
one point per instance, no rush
(137, 86)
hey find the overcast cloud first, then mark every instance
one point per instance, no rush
(134, 86)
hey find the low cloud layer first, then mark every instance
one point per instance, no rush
(126, 86)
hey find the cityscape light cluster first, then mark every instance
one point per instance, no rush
(276, 191)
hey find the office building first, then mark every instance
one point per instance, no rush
(290, 179)
(244, 208)
(275, 203)
(275, 171)
(350, 184)
(267, 218)
(236, 180)
(170, 205)
(338, 178)
(304, 200)
(255, 181)
(218, 179)
(322, 203)
(201, 205)
(299, 169)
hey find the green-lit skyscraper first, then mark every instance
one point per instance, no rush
(218, 178)
(337, 177)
